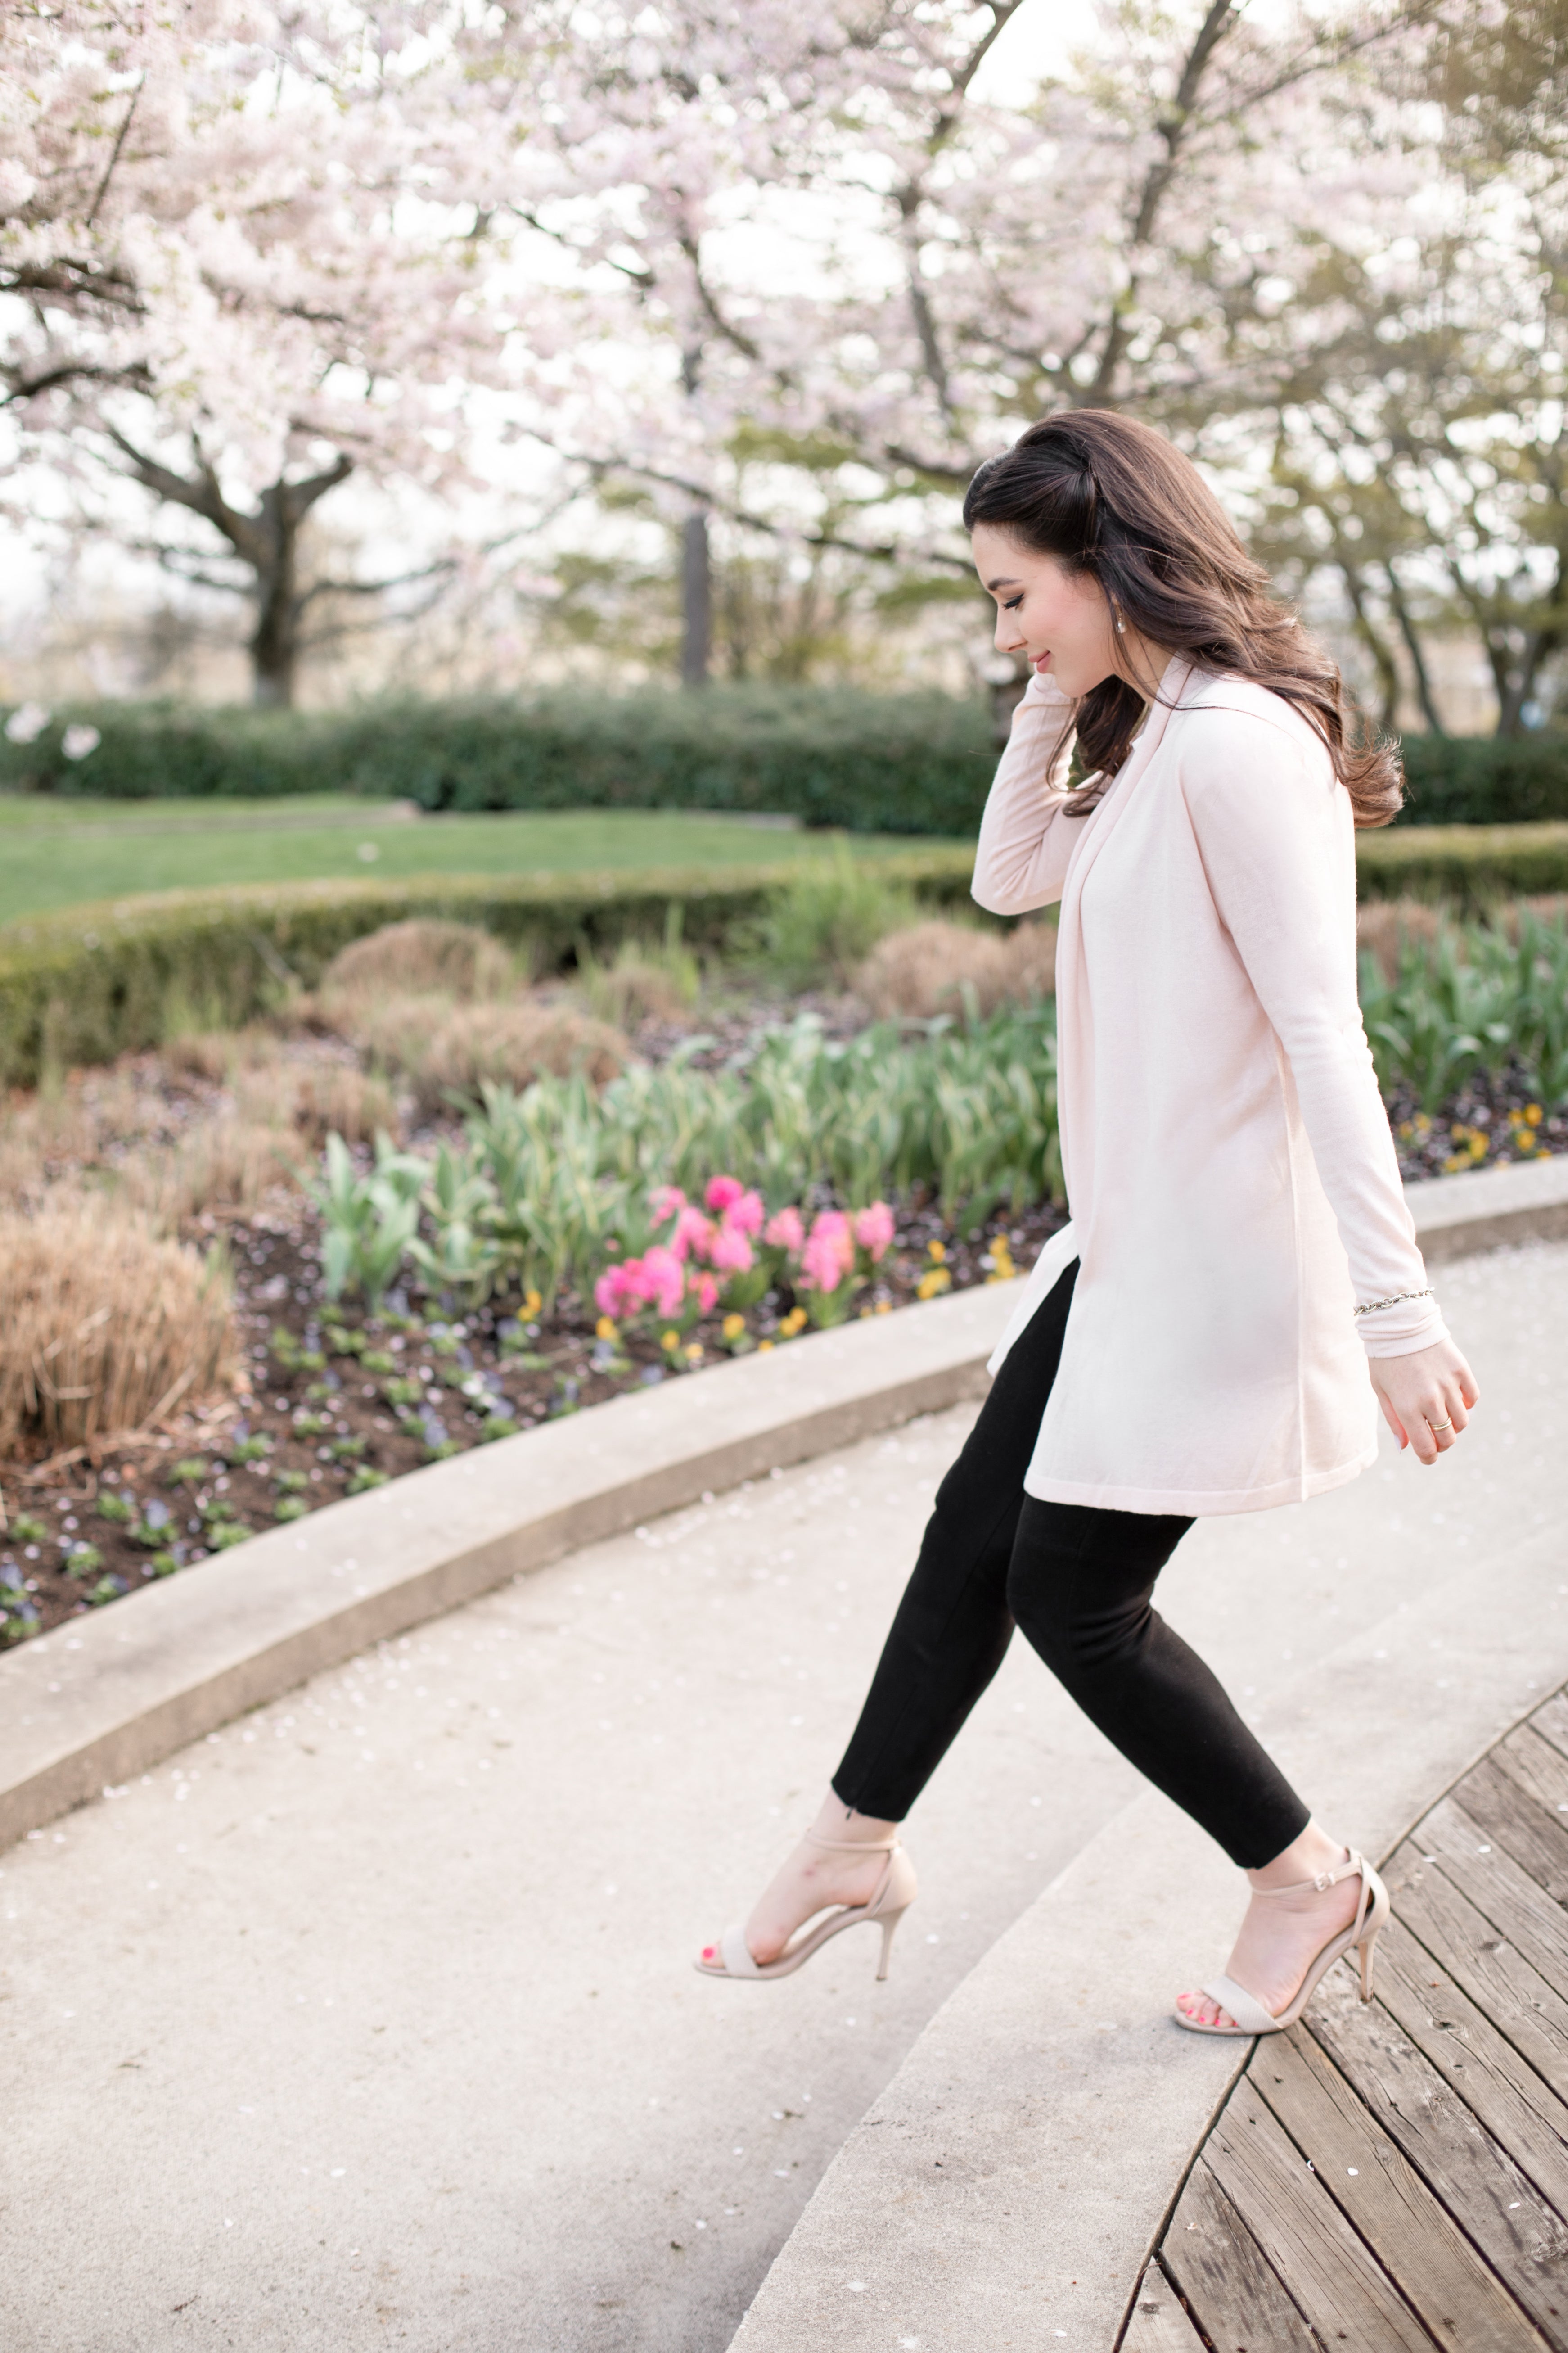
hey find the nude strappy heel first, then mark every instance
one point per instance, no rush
(1361, 1937)
(896, 1890)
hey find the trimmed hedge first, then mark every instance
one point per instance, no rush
(1470, 866)
(910, 763)
(103, 980)
(915, 763)
(1485, 779)
(96, 982)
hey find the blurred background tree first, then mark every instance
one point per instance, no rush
(666, 341)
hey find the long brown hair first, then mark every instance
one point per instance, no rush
(1112, 498)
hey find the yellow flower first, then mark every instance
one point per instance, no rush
(1000, 1261)
(669, 1340)
(531, 1304)
(734, 1326)
(605, 1329)
(937, 1279)
(884, 1306)
(1533, 1115)
(764, 1347)
(693, 1352)
(936, 1251)
(793, 1322)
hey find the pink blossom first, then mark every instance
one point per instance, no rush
(784, 1231)
(724, 1192)
(664, 1201)
(694, 1233)
(666, 1278)
(730, 1251)
(829, 1252)
(707, 1294)
(624, 1289)
(746, 1212)
(874, 1228)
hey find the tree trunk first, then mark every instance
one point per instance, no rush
(1413, 647)
(274, 646)
(1372, 639)
(696, 600)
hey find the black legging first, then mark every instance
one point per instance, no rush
(1077, 1580)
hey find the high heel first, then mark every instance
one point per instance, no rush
(895, 1891)
(1372, 1913)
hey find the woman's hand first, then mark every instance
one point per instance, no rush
(1426, 1398)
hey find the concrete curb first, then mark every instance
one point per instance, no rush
(106, 1695)
(1487, 1208)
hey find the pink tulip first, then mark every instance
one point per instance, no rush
(829, 1252)
(745, 1211)
(664, 1201)
(874, 1228)
(723, 1193)
(707, 1291)
(694, 1233)
(624, 1288)
(784, 1231)
(730, 1251)
(666, 1279)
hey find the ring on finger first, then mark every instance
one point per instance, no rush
(1435, 1426)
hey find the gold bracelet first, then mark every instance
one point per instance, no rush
(1397, 1301)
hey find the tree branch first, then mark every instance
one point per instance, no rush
(1172, 127)
(114, 156)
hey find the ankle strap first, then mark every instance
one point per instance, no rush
(855, 1846)
(1353, 1869)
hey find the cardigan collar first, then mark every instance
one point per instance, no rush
(1174, 681)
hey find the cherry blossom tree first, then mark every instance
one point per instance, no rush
(238, 266)
(853, 270)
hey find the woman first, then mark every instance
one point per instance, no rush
(1200, 1338)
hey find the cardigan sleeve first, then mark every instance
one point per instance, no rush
(1025, 840)
(1275, 833)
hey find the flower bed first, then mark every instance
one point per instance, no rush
(734, 1185)
(332, 1402)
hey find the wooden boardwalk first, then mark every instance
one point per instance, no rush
(1398, 2175)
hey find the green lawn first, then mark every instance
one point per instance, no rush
(57, 853)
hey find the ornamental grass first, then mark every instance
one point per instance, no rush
(939, 967)
(104, 1326)
(423, 957)
(446, 1049)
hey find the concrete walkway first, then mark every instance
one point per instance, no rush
(368, 2022)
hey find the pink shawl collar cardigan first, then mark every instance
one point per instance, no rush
(1232, 1180)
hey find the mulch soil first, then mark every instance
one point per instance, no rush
(330, 1403)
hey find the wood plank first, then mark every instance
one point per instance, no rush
(1435, 2267)
(1541, 1773)
(1519, 2234)
(1344, 2293)
(1552, 1721)
(1521, 1910)
(1498, 1978)
(1473, 2058)
(1157, 2323)
(1219, 2267)
(1536, 1840)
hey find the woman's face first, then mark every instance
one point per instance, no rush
(1059, 621)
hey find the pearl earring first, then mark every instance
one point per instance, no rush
(1121, 628)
